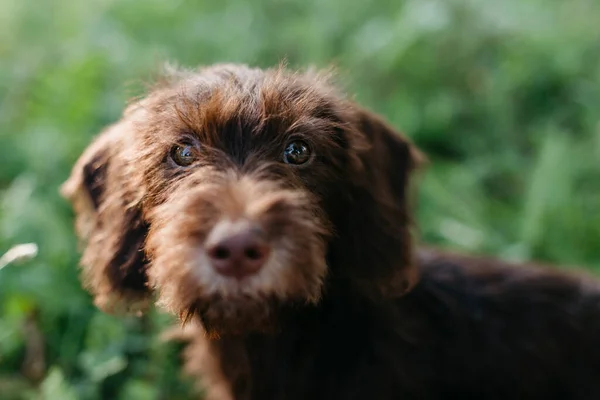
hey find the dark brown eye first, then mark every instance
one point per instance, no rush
(297, 152)
(183, 155)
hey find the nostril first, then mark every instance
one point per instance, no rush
(252, 253)
(255, 253)
(220, 253)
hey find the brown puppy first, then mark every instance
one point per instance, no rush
(271, 213)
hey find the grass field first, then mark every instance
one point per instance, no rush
(504, 97)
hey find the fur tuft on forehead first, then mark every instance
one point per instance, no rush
(254, 101)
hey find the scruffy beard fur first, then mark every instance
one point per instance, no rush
(181, 270)
(239, 314)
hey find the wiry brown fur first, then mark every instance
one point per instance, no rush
(342, 308)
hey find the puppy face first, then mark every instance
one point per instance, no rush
(238, 194)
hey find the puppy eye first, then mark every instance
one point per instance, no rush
(183, 155)
(297, 152)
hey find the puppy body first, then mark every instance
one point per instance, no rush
(271, 215)
(470, 329)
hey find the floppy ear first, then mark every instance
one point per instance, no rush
(109, 224)
(378, 239)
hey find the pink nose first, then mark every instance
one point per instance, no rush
(238, 252)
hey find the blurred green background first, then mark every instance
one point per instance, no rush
(503, 95)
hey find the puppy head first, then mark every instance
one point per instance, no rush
(238, 193)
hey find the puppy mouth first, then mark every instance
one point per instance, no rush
(236, 315)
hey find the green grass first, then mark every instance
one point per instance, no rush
(502, 95)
